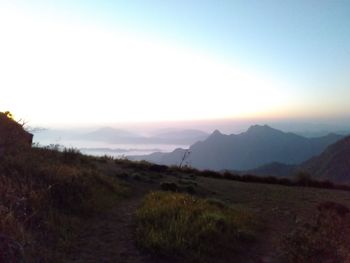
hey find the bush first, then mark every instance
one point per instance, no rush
(136, 176)
(209, 173)
(285, 181)
(71, 155)
(106, 158)
(167, 186)
(303, 178)
(172, 224)
(158, 168)
(187, 182)
(190, 189)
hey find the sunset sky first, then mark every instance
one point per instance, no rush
(85, 62)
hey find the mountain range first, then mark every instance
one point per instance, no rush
(114, 136)
(111, 135)
(258, 146)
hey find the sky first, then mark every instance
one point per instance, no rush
(97, 62)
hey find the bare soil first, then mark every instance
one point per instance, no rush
(109, 237)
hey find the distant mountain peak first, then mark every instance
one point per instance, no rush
(258, 146)
(257, 129)
(332, 134)
(216, 133)
(106, 129)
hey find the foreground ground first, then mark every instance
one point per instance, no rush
(108, 233)
(279, 210)
(109, 236)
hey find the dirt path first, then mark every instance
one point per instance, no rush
(110, 236)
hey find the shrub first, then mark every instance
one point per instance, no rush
(122, 175)
(71, 155)
(285, 181)
(136, 176)
(106, 158)
(167, 186)
(158, 168)
(303, 178)
(209, 173)
(326, 184)
(187, 182)
(190, 189)
(172, 224)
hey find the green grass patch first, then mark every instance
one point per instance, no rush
(172, 224)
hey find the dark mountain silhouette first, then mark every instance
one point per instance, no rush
(333, 164)
(182, 136)
(173, 158)
(258, 146)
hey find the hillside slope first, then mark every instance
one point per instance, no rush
(333, 164)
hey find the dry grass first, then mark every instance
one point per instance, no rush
(44, 196)
(195, 229)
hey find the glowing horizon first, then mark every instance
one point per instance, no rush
(56, 69)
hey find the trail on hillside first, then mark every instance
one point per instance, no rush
(110, 236)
